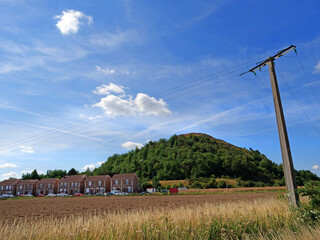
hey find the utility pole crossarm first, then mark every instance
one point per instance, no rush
(272, 58)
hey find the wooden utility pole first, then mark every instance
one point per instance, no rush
(288, 168)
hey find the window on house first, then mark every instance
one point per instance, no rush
(76, 184)
(89, 183)
(6, 187)
(72, 184)
(1, 187)
(99, 183)
(49, 185)
(40, 185)
(116, 182)
(9, 187)
(65, 184)
(127, 182)
(20, 186)
(61, 184)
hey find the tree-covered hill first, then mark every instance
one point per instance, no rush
(192, 156)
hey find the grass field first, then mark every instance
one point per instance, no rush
(263, 218)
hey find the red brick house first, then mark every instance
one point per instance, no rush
(48, 185)
(72, 184)
(128, 183)
(9, 186)
(97, 184)
(27, 187)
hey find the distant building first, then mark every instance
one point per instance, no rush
(27, 187)
(72, 184)
(128, 183)
(97, 184)
(9, 186)
(48, 185)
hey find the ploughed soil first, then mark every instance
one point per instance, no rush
(60, 207)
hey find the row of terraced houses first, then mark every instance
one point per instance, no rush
(72, 184)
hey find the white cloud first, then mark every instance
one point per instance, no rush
(69, 21)
(315, 167)
(8, 165)
(26, 149)
(317, 68)
(10, 175)
(125, 105)
(114, 106)
(107, 89)
(131, 145)
(92, 166)
(151, 106)
(106, 71)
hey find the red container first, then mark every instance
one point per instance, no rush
(173, 190)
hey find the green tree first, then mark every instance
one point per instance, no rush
(34, 175)
(73, 171)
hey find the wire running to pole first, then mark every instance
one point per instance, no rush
(302, 108)
(293, 120)
(309, 82)
(148, 106)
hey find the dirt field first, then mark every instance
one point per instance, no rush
(19, 209)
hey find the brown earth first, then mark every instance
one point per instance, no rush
(59, 207)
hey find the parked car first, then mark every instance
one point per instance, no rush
(62, 195)
(121, 193)
(51, 195)
(41, 195)
(78, 195)
(99, 194)
(109, 194)
(22, 195)
(29, 195)
(7, 196)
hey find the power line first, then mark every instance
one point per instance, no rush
(173, 90)
(311, 122)
(150, 105)
(293, 120)
(309, 82)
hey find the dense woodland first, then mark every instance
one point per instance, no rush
(192, 156)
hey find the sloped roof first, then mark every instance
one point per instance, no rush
(124, 176)
(10, 182)
(73, 178)
(97, 178)
(27, 182)
(48, 180)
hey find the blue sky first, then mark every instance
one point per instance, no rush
(82, 80)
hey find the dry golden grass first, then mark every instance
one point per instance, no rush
(240, 220)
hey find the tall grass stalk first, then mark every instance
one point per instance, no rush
(242, 220)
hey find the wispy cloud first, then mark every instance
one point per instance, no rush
(114, 40)
(69, 21)
(315, 167)
(26, 149)
(8, 165)
(10, 175)
(107, 89)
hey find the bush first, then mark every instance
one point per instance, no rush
(196, 184)
(222, 184)
(312, 190)
(181, 185)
